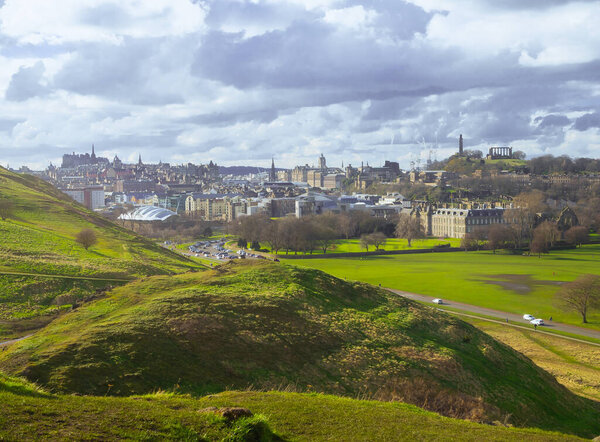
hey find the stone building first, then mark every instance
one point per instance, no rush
(446, 222)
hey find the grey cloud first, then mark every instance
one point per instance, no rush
(587, 121)
(7, 124)
(552, 121)
(532, 4)
(26, 84)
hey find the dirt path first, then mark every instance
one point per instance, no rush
(12, 341)
(502, 315)
(87, 278)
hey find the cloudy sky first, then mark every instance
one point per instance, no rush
(237, 81)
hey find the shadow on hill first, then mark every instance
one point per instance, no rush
(22, 390)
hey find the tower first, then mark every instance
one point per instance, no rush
(460, 145)
(140, 160)
(93, 153)
(322, 162)
(272, 174)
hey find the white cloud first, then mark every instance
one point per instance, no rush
(61, 21)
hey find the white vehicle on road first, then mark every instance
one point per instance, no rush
(528, 317)
(537, 322)
(437, 301)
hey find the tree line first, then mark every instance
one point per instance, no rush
(318, 232)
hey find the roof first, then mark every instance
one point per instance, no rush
(148, 213)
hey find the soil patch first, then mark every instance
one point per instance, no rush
(522, 284)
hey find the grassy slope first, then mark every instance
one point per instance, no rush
(38, 237)
(29, 413)
(272, 325)
(466, 277)
(576, 365)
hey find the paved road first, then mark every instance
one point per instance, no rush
(502, 315)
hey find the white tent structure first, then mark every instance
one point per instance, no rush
(148, 213)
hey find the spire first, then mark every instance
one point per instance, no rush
(93, 153)
(140, 160)
(460, 145)
(272, 175)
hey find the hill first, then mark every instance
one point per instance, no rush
(40, 259)
(32, 414)
(277, 326)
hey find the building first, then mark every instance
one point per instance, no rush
(90, 197)
(500, 153)
(70, 161)
(447, 222)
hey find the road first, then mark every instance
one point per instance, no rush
(501, 315)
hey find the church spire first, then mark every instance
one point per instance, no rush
(93, 153)
(140, 160)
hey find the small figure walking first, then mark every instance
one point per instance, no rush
(507, 320)
(535, 326)
(550, 318)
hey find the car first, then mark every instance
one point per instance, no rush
(528, 317)
(437, 301)
(537, 322)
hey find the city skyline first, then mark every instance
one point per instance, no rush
(239, 82)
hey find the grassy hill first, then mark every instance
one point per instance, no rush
(38, 238)
(31, 414)
(278, 326)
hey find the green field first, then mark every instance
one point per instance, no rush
(29, 413)
(513, 283)
(353, 245)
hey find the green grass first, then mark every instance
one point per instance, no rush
(353, 245)
(38, 238)
(279, 326)
(512, 283)
(29, 413)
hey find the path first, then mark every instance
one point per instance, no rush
(12, 341)
(87, 278)
(501, 315)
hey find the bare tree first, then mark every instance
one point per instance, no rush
(581, 295)
(498, 237)
(87, 238)
(366, 241)
(409, 228)
(538, 245)
(474, 240)
(577, 235)
(378, 239)
(325, 236)
(6, 208)
(524, 215)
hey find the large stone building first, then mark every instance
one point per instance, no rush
(446, 222)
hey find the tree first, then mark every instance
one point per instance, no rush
(581, 295)
(524, 214)
(473, 241)
(576, 235)
(409, 228)
(378, 239)
(538, 245)
(87, 238)
(365, 241)
(207, 232)
(548, 232)
(325, 235)
(498, 237)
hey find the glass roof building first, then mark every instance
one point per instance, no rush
(148, 213)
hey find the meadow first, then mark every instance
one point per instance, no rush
(513, 283)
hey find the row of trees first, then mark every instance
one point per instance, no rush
(311, 233)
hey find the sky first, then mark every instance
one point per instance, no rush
(241, 81)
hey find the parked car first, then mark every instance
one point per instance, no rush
(437, 301)
(537, 322)
(528, 317)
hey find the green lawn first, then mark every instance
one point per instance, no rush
(512, 283)
(353, 245)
